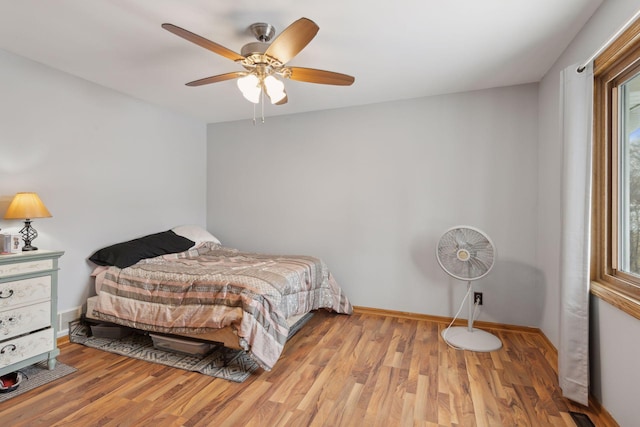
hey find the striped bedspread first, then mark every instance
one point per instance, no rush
(212, 286)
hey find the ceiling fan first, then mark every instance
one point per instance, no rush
(264, 62)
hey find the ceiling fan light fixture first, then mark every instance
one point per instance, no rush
(274, 88)
(249, 85)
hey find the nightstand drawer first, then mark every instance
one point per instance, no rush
(14, 322)
(25, 267)
(26, 346)
(24, 291)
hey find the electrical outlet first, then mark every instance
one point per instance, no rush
(477, 298)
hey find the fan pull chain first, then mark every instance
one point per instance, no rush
(254, 114)
(261, 108)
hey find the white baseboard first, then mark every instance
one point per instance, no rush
(64, 317)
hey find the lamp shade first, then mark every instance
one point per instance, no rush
(249, 85)
(275, 89)
(26, 206)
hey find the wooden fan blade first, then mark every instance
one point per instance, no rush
(201, 41)
(218, 78)
(292, 40)
(311, 75)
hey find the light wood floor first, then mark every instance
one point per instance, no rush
(360, 370)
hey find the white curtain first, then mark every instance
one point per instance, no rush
(577, 118)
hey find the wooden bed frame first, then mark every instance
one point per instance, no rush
(225, 336)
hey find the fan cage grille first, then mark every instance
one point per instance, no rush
(460, 240)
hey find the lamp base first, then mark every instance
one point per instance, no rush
(28, 235)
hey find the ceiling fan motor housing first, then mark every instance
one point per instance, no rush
(254, 48)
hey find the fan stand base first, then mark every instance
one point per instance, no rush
(474, 340)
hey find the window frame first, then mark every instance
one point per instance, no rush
(617, 63)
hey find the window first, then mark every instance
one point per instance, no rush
(616, 179)
(628, 138)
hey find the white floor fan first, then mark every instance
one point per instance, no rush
(466, 253)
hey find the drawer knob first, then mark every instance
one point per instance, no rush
(10, 347)
(10, 294)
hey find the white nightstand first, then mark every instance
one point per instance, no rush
(28, 309)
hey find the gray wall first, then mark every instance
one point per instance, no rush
(108, 167)
(615, 347)
(371, 189)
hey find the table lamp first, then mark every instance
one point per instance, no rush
(27, 206)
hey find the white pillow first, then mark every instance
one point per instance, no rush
(195, 233)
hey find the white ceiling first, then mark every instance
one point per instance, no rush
(395, 49)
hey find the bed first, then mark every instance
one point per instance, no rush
(185, 282)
